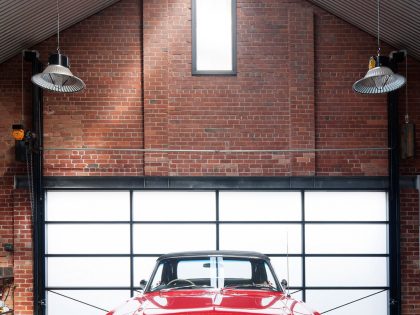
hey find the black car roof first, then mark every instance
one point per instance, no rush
(208, 253)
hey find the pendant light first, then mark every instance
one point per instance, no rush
(379, 79)
(57, 76)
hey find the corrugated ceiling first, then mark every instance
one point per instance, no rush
(24, 23)
(399, 20)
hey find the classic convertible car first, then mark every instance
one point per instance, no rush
(213, 282)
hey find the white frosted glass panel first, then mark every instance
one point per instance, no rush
(214, 34)
(164, 238)
(174, 206)
(88, 238)
(88, 206)
(104, 299)
(295, 269)
(324, 300)
(260, 206)
(265, 238)
(346, 271)
(346, 238)
(143, 268)
(346, 206)
(88, 271)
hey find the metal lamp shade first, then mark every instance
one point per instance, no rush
(57, 76)
(379, 80)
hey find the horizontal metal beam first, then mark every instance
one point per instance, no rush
(218, 182)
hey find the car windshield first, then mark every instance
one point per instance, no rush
(213, 272)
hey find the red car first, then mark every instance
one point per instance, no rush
(213, 282)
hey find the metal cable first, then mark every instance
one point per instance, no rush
(29, 172)
(379, 48)
(22, 108)
(58, 28)
(70, 298)
(327, 311)
(343, 305)
(406, 91)
(217, 151)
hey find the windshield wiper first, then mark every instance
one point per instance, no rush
(251, 286)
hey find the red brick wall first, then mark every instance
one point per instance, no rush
(410, 268)
(296, 66)
(411, 166)
(296, 95)
(105, 51)
(250, 111)
(22, 258)
(345, 119)
(11, 113)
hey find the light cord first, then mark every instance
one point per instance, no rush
(22, 100)
(58, 28)
(406, 91)
(379, 48)
(288, 269)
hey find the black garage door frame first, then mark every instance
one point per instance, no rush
(220, 183)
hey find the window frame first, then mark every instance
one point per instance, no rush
(194, 70)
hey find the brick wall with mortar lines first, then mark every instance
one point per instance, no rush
(410, 268)
(11, 96)
(296, 95)
(411, 166)
(296, 65)
(345, 119)
(105, 51)
(22, 257)
(247, 111)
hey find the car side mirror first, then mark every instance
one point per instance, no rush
(285, 286)
(284, 283)
(143, 284)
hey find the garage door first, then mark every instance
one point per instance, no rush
(100, 244)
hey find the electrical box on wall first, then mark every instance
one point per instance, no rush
(18, 133)
(407, 141)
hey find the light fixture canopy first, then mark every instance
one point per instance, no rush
(57, 76)
(379, 79)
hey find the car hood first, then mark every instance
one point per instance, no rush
(223, 302)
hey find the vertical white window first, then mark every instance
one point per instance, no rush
(214, 37)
